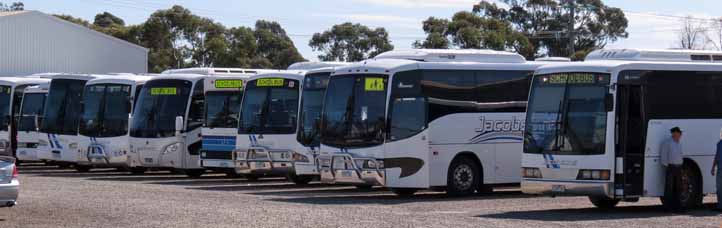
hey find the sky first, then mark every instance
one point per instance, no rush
(652, 23)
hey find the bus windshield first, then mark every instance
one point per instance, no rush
(270, 107)
(5, 95)
(63, 107)
(105, 110)
(222, 108)
(33, 104)
(354, 111)
(160, 102)
(314, 87)
(567, 114)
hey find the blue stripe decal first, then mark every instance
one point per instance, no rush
(50, 141)
(219, 143)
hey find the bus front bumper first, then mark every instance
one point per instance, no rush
(342, 168)
(558, 188)
(264, 161)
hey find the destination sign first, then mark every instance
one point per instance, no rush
(269, 82)
(163, 91)
(228, 83)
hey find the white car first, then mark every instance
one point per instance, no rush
(9, 184)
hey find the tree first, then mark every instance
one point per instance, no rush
(437, 30)
(350, 42)
(75, 20)
(714, 34)
(106, 19)
(545, 23)
(692, 35)
(470, 31)
(15, 6)
(275, 46)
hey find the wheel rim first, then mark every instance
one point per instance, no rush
(463, 177)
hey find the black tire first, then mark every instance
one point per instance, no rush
(138, 170)
(194, 173)
(463, 178)
(299, 179)
(83, 168)
(603, 202)
(365, 187)
(690, 191)
(404, 192)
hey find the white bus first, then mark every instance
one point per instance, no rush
(265, 144)
(11, 94)
(595, 128)
(426, 119)
(28, 124)
(223, 104)
(165, 129)
(59, 124)
(103, 128)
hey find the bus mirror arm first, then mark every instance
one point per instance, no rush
(609, 102)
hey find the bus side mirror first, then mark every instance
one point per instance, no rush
(609, 102)
(178, 123)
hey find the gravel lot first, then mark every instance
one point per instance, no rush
(53, 197)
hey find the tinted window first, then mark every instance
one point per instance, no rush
(269, 108)
(222, 108)
(682, 95)
(160, 102)
(196, 114)
(63, 107)
(32, 106)
(105, 110)
(5, 96)
(314, 87)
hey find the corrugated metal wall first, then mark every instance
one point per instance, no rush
(32, 42)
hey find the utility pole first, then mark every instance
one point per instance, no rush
(570, 27)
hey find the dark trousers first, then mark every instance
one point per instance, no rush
(671, 183)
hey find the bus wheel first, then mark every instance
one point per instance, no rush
(194, 173)
(690, 190)
(603, 202)
(83, 168)
(404, 192)
(299, 179)
(138, 170)
(463, 177)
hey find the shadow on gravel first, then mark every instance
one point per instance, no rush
(590, 214)
(390, 198)
(216, 180)
(254, 186)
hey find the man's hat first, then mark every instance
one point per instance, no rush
(675, 129)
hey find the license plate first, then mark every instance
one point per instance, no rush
(346, 173)
(558, 188)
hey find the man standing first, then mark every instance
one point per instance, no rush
(672, 158)
(716, 172)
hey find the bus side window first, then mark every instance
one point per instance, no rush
(195, 114)
(138, 88)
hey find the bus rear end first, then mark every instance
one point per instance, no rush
(568, 146)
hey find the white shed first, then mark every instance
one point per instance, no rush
(34, 42)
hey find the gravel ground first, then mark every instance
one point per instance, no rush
(64, 198)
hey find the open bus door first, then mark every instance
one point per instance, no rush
(631, 131)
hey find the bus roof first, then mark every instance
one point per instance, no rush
(612, 66)
(127, 79)
(188, 77)
(215, 71)
(15, 81)
(390, 66)
(315, 65)
(86, 77)
(451, 55)
(653, 55)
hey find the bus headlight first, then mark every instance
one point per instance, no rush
(531, 172)
(297, 157)
(593, 174)
(172, 148)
